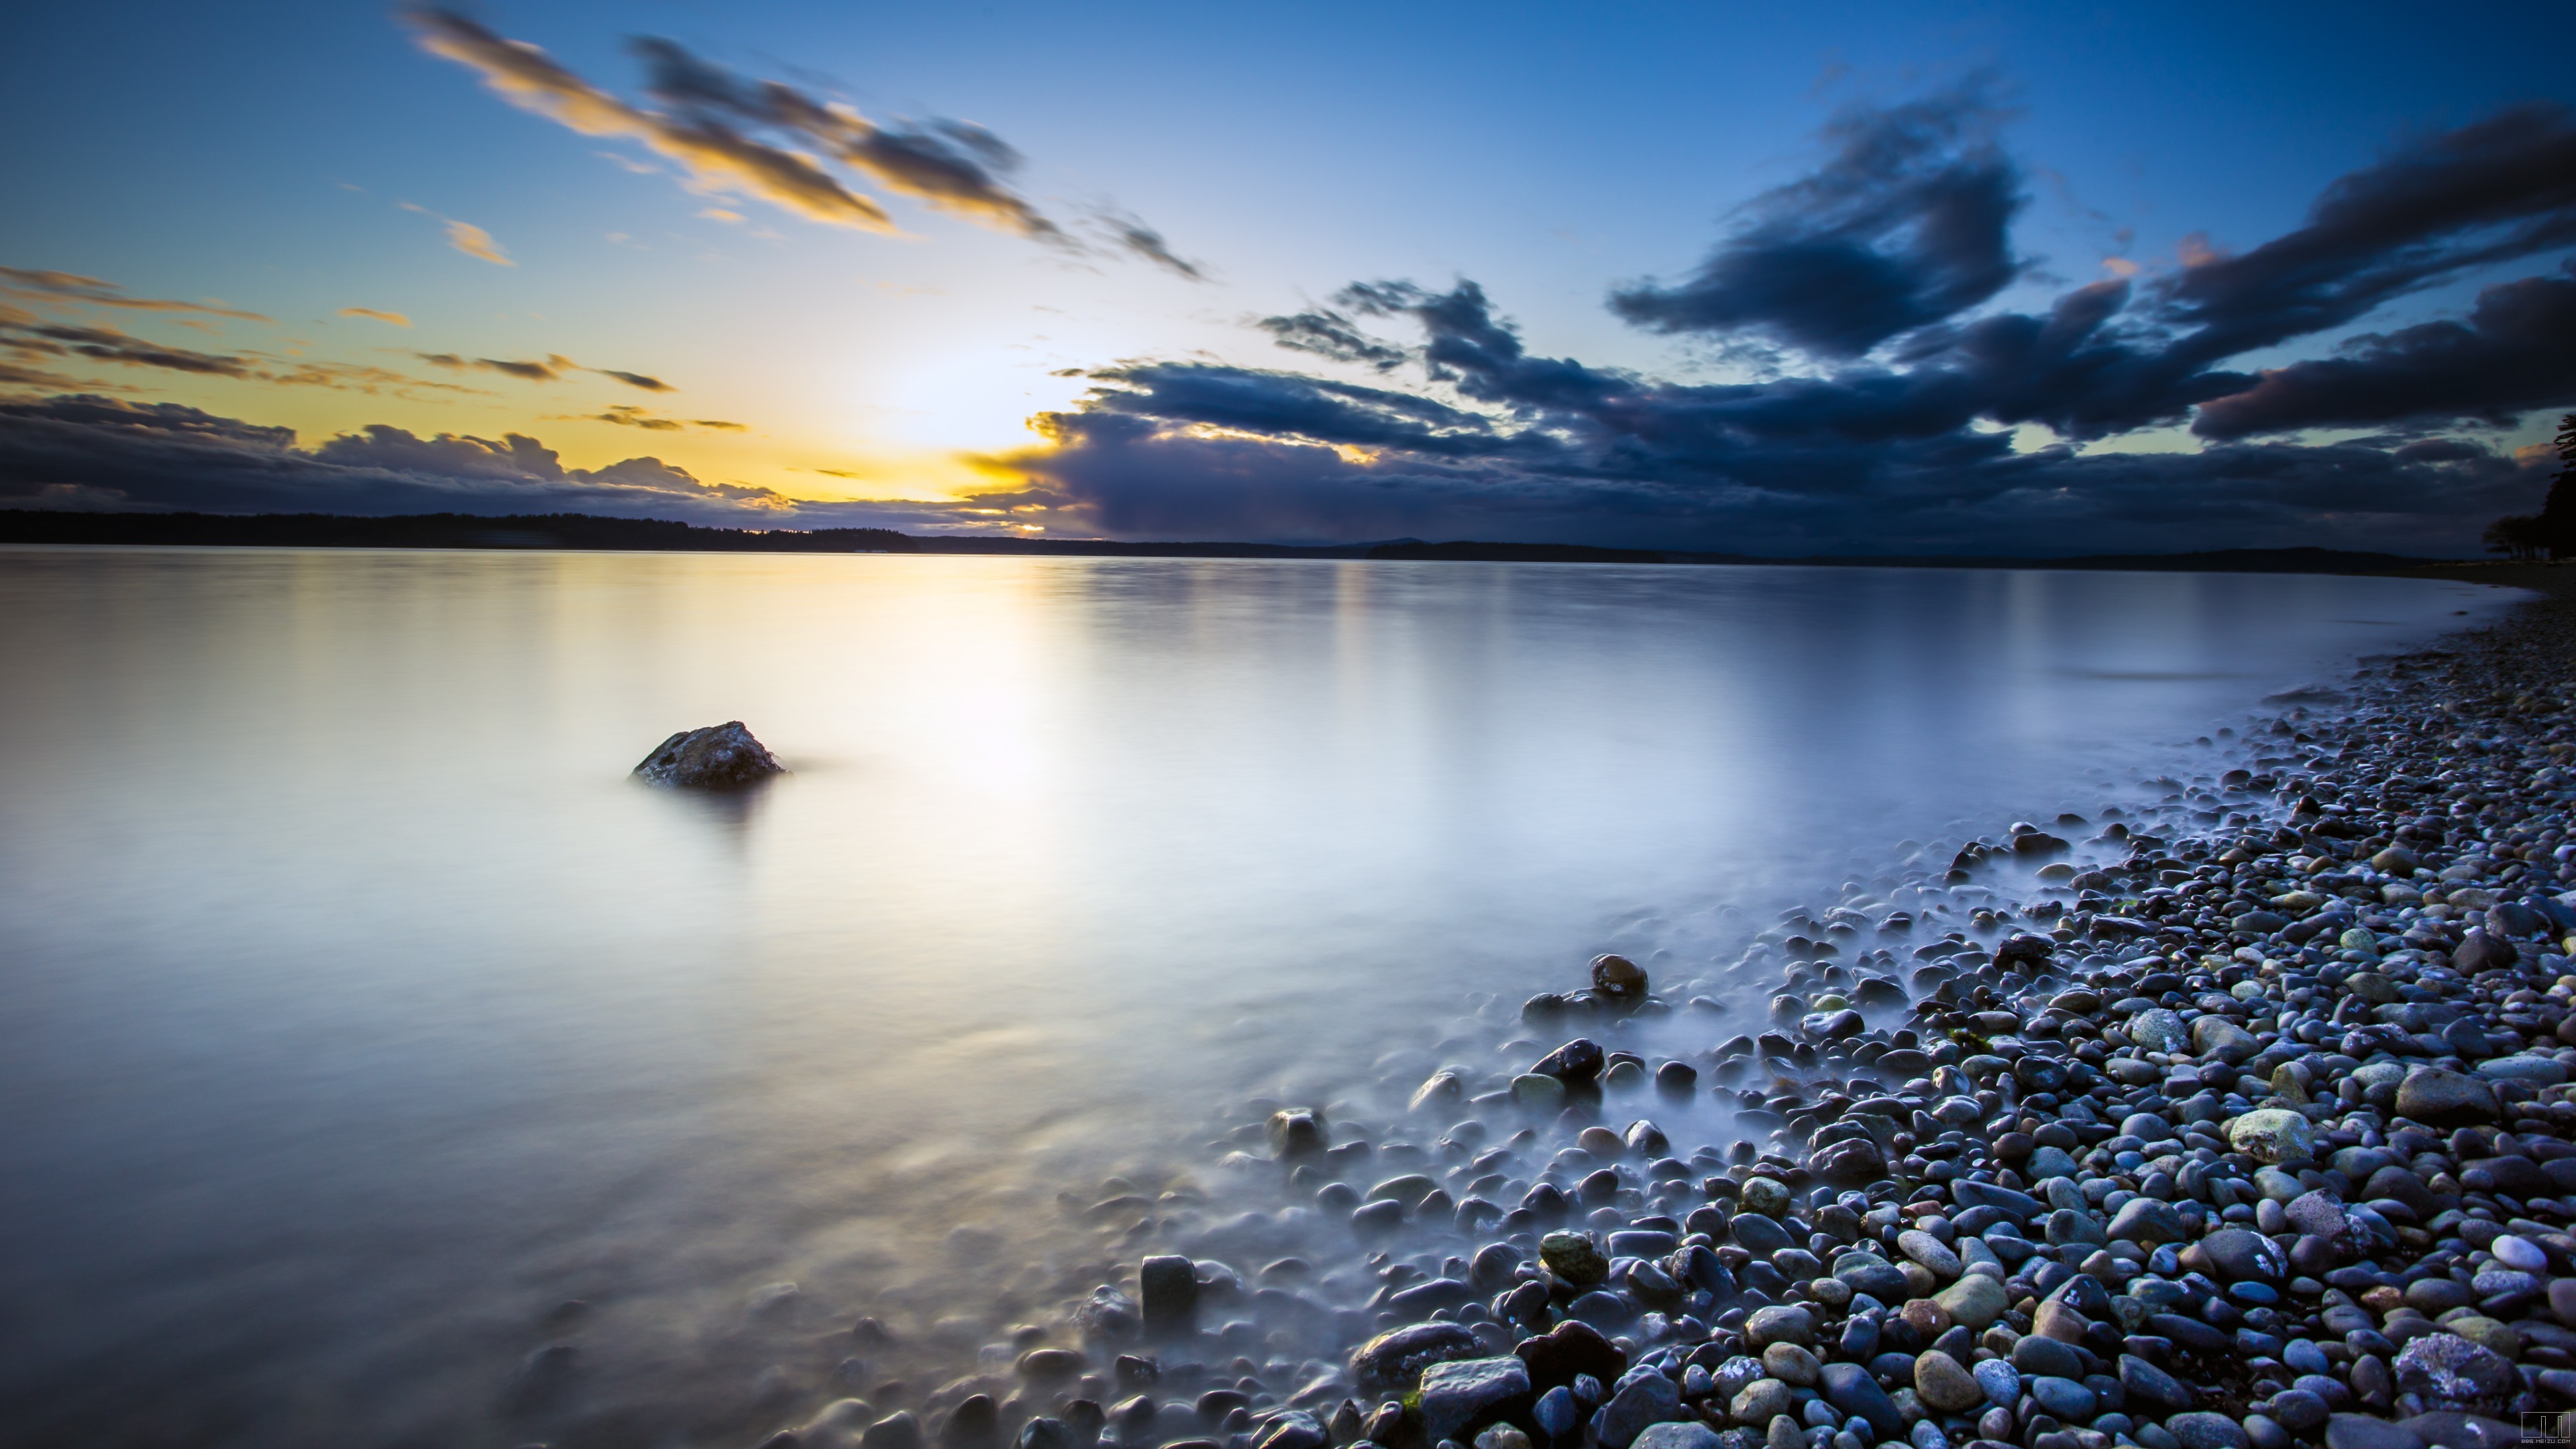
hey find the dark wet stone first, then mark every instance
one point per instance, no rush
(1377, 1219)
(1557, 1415)
(1677, 1436)
(1758, 1235)
(2442, 1098)
(716, 757)
(1570, 1350)
(1047, 1432)
(1878, 1278)
(1421, 1300)
(2479, 951)
(894, 1431)
(2150, 1387)
(2449, 1372)
(1603, 1309)
(1466, 1394)
(1045, 1364)
(1291, 1430)
(1702, 1269)
(2201, 1430)
(1492, 1266)
(975, 1421)
(1398, 1357)
(1572, 1257)
(1169, 1293)
(2037, 1355)
(1579, 1060)
(1641, 1400)
(1850, 1388)
(2065, 1398)
(2299, 1410)
(2239, 1255)
(2021, 1207)
(2513, 1175)
(1107, 1314)
(1296, 1132)
(1851, 1163)
(1618, 978)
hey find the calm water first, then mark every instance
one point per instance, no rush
(356, 1010)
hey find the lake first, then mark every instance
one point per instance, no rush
(383, 1066)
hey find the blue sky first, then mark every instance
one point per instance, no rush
(294, 161)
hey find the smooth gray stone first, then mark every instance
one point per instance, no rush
(1465, 1393)
(1849, 1387)
(2202, 1430)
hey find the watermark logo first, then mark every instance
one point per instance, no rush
(2553, 1427)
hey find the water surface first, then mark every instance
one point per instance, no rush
(356, 1010)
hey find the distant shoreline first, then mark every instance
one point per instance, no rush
(589, 533)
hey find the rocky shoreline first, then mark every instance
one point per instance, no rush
(2237, 1120)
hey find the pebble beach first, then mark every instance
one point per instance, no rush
(2238, 1118)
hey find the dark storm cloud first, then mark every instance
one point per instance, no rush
(2515, 353)
(1204, 452)
(168, 456)
(1907, 224)
(1908, 449)
(2495, 190)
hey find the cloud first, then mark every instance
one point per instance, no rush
(1148, 243)
(549, 370)
(72, 287)
(1905, 225)
(2511, 356)
(1329, 334)
(635, 379)
(475, 242)
(552, 369)
(713, 124)
(108, 344)
(395, 318)
(952, 165)
(2492, 191)
(98, 452)
(1909, 445)
(626, 415)
(28, 338)
(715, 156)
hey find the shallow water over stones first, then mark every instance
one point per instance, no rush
(357, 1003)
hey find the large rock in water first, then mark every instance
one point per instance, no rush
(719, 757)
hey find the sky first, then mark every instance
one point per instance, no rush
(1859, 279)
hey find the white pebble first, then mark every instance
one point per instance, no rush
(2520, 1254)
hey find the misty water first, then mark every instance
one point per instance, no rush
(358, 1013)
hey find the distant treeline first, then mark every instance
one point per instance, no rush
(581, 531)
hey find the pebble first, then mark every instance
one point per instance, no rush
(1943, 1384)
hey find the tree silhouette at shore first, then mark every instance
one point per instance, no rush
(2555, 526)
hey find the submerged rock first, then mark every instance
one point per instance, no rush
(718, 757)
